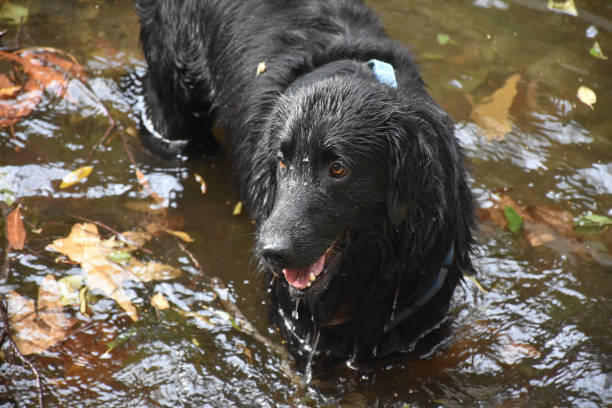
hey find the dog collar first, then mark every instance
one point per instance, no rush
(434, 287)
(383, 71)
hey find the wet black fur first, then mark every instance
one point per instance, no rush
(405, 200)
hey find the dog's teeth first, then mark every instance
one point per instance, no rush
(309, 284)
(312, 278)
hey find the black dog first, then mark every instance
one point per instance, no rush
(352, 173)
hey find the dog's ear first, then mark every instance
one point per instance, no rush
(420, 148)
(256, 170)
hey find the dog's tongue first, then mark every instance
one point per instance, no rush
(300, 278)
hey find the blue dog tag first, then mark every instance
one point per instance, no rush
(383, 72)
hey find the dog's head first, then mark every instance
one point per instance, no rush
(349, 159)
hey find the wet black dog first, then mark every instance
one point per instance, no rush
(351, 171)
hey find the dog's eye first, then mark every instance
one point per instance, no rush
(338, 170)
(281, 160)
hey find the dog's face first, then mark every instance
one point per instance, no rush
(330, 146)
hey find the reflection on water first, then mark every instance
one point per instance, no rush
(538, 336)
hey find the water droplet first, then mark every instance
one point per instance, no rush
(305, 159)
(295, 314)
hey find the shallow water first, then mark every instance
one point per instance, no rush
(539, 336)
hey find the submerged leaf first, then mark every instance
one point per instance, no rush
(180, 234)
(120, 256)
(443, 39)
(567, 7)
(83, 245)
(69, 289)
(237, 208)
(75, 176)
(515, 221)
(36, 332)
(592, 224)
(596, 51)
(13, 14)
(587, 96)
(16, 233)
(493, 116)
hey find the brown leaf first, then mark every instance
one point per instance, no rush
(493, 115)
(16, 233)
(84, 246)
(561, 221)
(46, 69)
(31, 334)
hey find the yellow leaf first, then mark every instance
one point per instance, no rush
(587, 96)
(237, 208)
(159, 302)
(493, 116)
(75, 176)
(200, 180)
(261, 68)
(180, 234)
(567, 7)
(83, 245)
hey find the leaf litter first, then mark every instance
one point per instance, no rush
(45, 69)
(16, 233)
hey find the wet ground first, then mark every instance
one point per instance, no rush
(536, 334)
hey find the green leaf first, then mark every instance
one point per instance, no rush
(596, 51)
(120, 256)
(566, 7)
(592, 224)
(13, 14)
(443, 39)
(515, 221)
(69, 289)
(7, 196)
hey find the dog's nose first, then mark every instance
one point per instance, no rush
(278, 251)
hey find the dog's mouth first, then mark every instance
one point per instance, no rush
(317, 273)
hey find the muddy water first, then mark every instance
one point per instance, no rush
(537, 335)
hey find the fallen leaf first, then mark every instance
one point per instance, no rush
(83, 245)
(120, 257)
(159, 302)
(443, 39)
(16, 233)
(7, 196)
(180, 234)
(261, 68)
(13, 14)
(587, 96)
(561, 221)
(69, 289)
(237, 208)
(592, 224)
(515, 221)
(492, 116)
(36, 332)
(596, 51)
(566, 7)
(46, 69)
(75, 176)
(200, 180)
